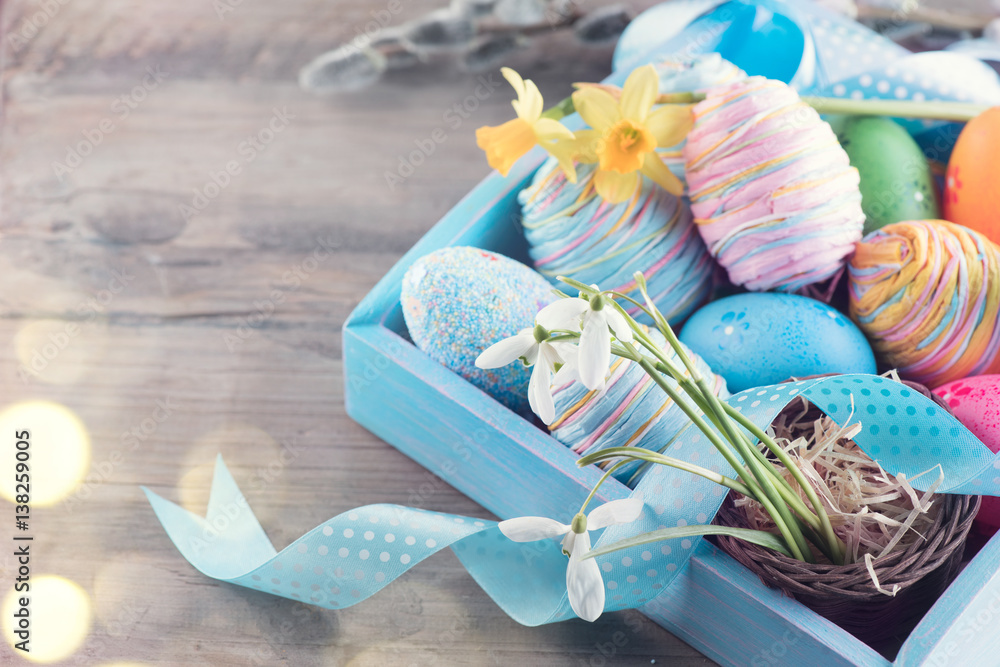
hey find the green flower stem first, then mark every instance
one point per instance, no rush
(607, 474)
(561, 110)
(639, 454)
(791, 497)
(761, 537)
(763, 490)
(759, 475)
(829, 544)
(667, 330)
(836, 544)
(764, 473)
(700, 423)
(793, 537)
(768, 477)
(955, 111)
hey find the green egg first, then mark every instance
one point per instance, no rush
(896, 181)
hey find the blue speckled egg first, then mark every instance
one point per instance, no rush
(762, 338)
(458, 301)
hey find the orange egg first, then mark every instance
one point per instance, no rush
(972, 184)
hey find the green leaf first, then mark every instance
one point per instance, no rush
(760, 537)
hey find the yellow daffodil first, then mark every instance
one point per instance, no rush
(626, 133)
(505, 144)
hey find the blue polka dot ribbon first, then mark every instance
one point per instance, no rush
(354, 555)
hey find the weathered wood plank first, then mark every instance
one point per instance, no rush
(224, 319)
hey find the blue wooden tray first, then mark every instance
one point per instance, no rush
(513, 468)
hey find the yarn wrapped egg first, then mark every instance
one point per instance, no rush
(927, 295)
(458, 301)
(631, 411)
(572, 232)
(698, 75)
(773, 193)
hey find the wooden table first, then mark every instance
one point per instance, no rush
(175, 337)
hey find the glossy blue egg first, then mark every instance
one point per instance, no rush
(763, 338)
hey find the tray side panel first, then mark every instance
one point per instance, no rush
(735, 620)
(961, 628)
(460, 433)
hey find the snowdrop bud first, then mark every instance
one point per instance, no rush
(521, 12)
(440, 31)
(597, 302)
(602, 26)
(346, 68)
(579, 525)
(541, 333)
(490, 51)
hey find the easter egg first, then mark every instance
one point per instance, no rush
(896, 182)
(458, 301)
(975, 401)
(971, 195)
(763, 338)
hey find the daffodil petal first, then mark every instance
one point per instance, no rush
(595, 350)
(597, 107)
(584, 582)
(586, 144)
(626, 510)
(516, 82)
(619, 325)
(564, 151)
(562, 314)
(670, 124)
(547, 129)
(532, 104)
(654, 167)
(539, 393)
(507, 350)
(639, 94)
(531, 528)
(615, 188)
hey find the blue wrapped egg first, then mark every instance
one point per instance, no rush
(763, 338)
(572, 232)
(458, 301)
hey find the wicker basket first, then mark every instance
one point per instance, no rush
(845, 594)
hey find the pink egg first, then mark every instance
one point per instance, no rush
(975, 401)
